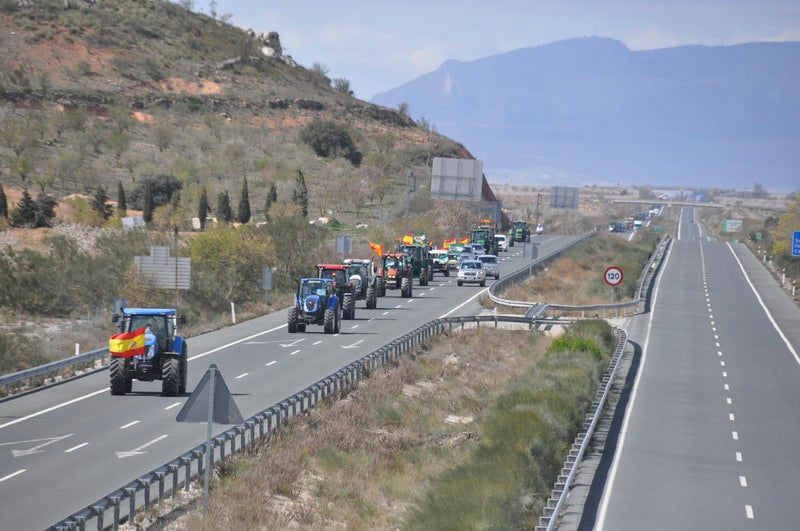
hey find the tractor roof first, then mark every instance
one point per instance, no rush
(313, 279)
(148, 311)
(395, 255)
(333, 266)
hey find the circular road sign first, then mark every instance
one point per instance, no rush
(613, 276)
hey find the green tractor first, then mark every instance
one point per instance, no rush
(520, 233)
(421, 261)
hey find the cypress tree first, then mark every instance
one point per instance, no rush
(3, 203)
(25, 213)
(300, 194)
(99, 203)
(122, 203)
(147, 202)
(203, 209)
(244, 204)
(272, 197)
(224, 207)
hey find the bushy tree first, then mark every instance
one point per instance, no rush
(243, 215)
(330, 140)
(227, 266)
(162, 187)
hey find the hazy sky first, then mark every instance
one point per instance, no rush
(378, 45)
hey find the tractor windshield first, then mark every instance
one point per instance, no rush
(313, 288)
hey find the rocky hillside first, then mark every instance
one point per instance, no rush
(100, 93)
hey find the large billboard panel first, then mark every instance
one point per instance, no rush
(457, 179)
(564, 197)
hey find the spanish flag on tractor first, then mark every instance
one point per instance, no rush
(464, 241)
(448, 243)
(127, 344)
(377, 248)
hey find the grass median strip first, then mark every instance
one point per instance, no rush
(469, 435)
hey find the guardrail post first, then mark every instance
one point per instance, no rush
(131, 503)
(173, 468)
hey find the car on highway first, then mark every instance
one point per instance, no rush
(539, 229)
(471, 272)
(491, 265)
(440, 262)
(502, 242)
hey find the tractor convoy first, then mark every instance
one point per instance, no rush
(148, 348)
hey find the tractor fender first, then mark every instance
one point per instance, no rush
(178, 345)
(333, 301)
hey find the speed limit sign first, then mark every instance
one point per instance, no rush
(613, 276)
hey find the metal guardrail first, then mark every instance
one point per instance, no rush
(54, 371)
(558, 497)
(539, 309)
(122, 504)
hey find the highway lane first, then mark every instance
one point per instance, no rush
(710, 435)
(64, 447)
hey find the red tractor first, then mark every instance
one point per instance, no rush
(397, 271)
(345, 287)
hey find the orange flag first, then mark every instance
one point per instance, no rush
(377, 248)
(127, 344)
(464, 241)
(408, 239)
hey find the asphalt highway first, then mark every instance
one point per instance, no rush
(711, 431)
(66, 446)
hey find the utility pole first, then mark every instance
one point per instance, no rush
(410, 187)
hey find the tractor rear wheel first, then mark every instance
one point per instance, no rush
(430, 273)
(301, 327)
(405, 287)
(293, 318)
(372, 298)
(329, 321)
(171, 375)
(120, 382)
(349, 306)
(423, 276)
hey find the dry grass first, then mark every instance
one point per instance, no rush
(360, 462)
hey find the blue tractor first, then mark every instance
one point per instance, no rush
(162, 355)
(316, 302)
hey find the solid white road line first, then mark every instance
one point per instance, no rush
(764, 307)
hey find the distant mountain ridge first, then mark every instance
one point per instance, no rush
(591, 111)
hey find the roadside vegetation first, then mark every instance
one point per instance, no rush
(577, 277)
(470, 433)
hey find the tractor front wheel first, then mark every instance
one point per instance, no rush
(329, 321)
(171, 375)
(293, 319)
(184, 371)
(120, 381)
(381, 287)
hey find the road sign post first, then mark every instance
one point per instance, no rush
(613, 277)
